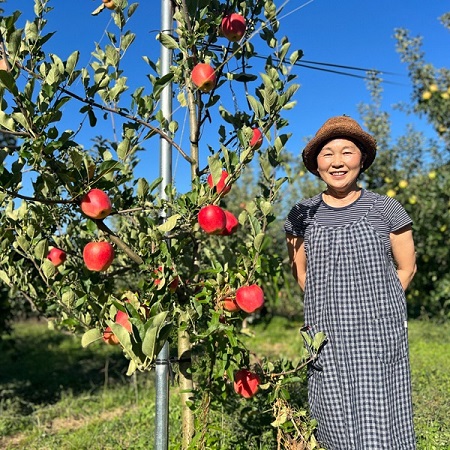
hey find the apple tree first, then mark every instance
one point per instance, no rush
(135, 265)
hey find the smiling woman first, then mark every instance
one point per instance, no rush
(352, 252)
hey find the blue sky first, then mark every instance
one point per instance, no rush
(346, 32)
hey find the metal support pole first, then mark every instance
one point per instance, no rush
(162, 360)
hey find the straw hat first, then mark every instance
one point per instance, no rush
(339, 127)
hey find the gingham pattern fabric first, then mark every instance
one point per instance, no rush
(359, 389)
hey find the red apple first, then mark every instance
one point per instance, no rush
(204, 77)
(250, 298)
(98, 256)
(212, 219)
(221, 188)
(257, 139)
(233, 27)
(57, 256)
(122, 319)
(96, 204)
(109, 337)
(229, 304)
(231, 225)
(246, 383)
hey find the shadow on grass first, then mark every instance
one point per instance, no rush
(37, 365)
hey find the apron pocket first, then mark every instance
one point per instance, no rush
(392, 336)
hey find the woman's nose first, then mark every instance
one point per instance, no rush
(337, 161)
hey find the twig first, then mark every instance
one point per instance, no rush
(114, 238)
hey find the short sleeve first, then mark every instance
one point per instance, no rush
(301, 216)
(395, 214)
(295, 223)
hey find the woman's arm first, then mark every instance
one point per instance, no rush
(297, 257)
(402, 245)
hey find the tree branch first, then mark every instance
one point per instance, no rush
(114, 238)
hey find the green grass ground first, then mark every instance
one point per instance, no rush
(56, 395)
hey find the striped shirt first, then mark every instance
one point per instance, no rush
(383, 213)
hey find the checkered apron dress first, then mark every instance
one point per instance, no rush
(359, 389)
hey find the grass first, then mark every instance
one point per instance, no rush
(56, 395)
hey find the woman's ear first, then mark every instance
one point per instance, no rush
(363, 159)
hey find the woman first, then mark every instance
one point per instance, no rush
(352, 252)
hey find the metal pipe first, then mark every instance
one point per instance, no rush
(162, 359)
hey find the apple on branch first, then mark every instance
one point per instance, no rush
(232, 224)
(57, 256)
(221, 187)
(233, 27)
(109, 337)
(96, 204)
(256, 139)
(98, 256)
(246, 383)
(204, 77)
(250, 298)
(122, 319)
(212, 219)
(229, 304)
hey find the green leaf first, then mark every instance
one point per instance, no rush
(168, 41)
(258, 242)
(112, 55)
(48, 268)
(41, 249)
(142, 187)
(266, 207)
(280, 420)
(319, 340)
(256, 106)
(4, 277)
(90, 336)
(173, 126)
(169, 224)
(6, 121)
(215, 168)
(149, 342)
(159, 319)
(68, 297)
(295, 56)
(123, 149)
(131, 368)
(123, 336)
(7, 80)
(23, 242)
(72, 62)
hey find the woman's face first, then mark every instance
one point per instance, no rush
(339, 163)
